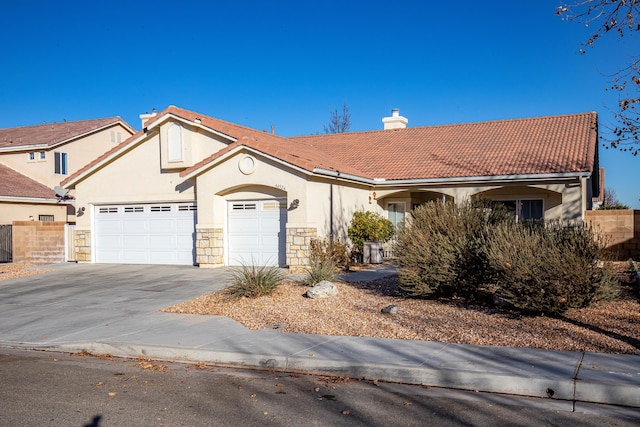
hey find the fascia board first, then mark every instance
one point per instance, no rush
(21, 148)
(15, 199)
(381, 182)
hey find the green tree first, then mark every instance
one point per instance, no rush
(622, 18)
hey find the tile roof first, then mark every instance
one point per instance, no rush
(52, 133)
(542, 145)
(14, 184)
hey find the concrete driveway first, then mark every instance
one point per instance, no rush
(50, 307)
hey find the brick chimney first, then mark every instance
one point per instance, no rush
(396, 121)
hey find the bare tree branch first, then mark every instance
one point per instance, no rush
(621, 17)
(339, 122)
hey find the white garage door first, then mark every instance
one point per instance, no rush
(256, 232)
(146, 234)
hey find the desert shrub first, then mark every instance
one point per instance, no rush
(368, 226)
(329, 249)
(439, 249)
(250, 281)
(325, 259)
(321, 270)
(548, 268)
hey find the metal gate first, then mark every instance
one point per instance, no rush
(6, 248)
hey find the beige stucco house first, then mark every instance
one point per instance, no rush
(191, 189)
(35, 159)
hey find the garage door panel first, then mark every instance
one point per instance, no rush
(146, 234)
(256, 232)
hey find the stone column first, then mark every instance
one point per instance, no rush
(82, 245)
(298, 247)
(210, 247)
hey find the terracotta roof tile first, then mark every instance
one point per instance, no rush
(14, 184)
(52, 133)
(544, 145)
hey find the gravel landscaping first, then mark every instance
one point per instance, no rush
(607, 327)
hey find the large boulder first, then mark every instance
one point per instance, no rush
(324, 289)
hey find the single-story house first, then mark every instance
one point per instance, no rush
(196, 190)
(35, 159)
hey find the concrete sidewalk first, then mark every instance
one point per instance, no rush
(114, 309)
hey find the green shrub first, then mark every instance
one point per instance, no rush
(368, 226)
(617, 206)
(250, 281)
(548, 268)
(439, 249)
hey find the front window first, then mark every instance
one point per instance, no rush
(61, 163)
(42, 155)
(32, 155)
(525, 210)
(395, 212)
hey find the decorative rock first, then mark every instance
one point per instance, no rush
(324, 289)
(391, 309)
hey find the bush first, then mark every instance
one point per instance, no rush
(250, 281)
(439, 250)
(325, 258)
(548, 268)
(368, 226)
(329, 249)
(321, 270)
(617, 206)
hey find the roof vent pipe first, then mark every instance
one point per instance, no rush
(396, 121)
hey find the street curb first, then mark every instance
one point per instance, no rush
(566, 388)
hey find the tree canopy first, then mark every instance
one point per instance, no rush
(621, 18)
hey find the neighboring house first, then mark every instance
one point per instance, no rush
(191, 189)
(26, 199)
(35, 159)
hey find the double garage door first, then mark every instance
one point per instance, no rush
(165, 233)
(146, 234)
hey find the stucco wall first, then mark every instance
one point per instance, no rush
(133, 178)
(10, 212)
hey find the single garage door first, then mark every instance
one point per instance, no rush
(146, 234)
(256, 232)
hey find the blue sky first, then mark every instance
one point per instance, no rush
(288, 63)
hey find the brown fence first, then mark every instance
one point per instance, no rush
(5, 243)
(620, 229)
(38, 242)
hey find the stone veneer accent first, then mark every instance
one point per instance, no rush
(82, 245)
(298, 243)
(210, 246)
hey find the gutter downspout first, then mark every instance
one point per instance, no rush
(331, 211)
(583, 188)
